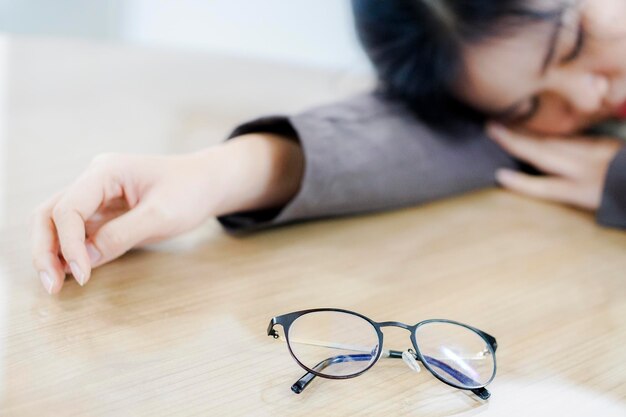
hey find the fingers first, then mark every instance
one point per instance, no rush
(578, 165)
(105, 213)
(59, 226)
(122, 233)
(548, 188)
(80, 201)
(81, 227)
(555, 156)
(112, 236)
(69, 216)
(45, 252)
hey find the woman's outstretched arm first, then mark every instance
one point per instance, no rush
(361, 155)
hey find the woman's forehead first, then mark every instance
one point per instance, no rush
(501, 70)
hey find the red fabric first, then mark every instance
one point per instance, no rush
(622, 111)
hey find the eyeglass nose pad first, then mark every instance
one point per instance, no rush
(408, 356)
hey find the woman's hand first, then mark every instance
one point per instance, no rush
(122, 201)
(576, 167)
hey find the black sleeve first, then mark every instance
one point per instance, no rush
(612, 211)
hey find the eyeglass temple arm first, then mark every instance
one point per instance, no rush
(483, 393)
(302, 383)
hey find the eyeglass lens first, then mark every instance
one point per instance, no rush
(333, 343)
(456, 354)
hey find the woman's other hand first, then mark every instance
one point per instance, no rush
(575, 167)
(122, 201)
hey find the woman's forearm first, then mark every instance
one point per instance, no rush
(254, 172)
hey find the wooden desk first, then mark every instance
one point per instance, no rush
(179, 328)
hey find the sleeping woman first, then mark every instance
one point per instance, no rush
(525, 93)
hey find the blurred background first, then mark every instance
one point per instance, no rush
(314, 33)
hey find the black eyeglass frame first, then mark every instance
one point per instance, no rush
(286, 320)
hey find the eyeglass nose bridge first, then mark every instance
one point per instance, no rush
(396, 324)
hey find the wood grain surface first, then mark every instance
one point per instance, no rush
(179, 328)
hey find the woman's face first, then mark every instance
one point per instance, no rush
(550, 78)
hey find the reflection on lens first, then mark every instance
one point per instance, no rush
(333, 343)
(455, 353)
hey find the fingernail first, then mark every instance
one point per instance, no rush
(502, 175)
(78, 274)
(94, 254)
(47, 281)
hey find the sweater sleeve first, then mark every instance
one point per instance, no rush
(369, 153)
(612, 211)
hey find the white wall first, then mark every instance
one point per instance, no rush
(91, 18)
(309, 32)
(315, 33)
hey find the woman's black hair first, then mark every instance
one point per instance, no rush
(416, 46)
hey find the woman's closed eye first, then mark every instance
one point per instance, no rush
(516, 118)
(579, 45)
(535, 105)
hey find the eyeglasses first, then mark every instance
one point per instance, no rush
(340, 344)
